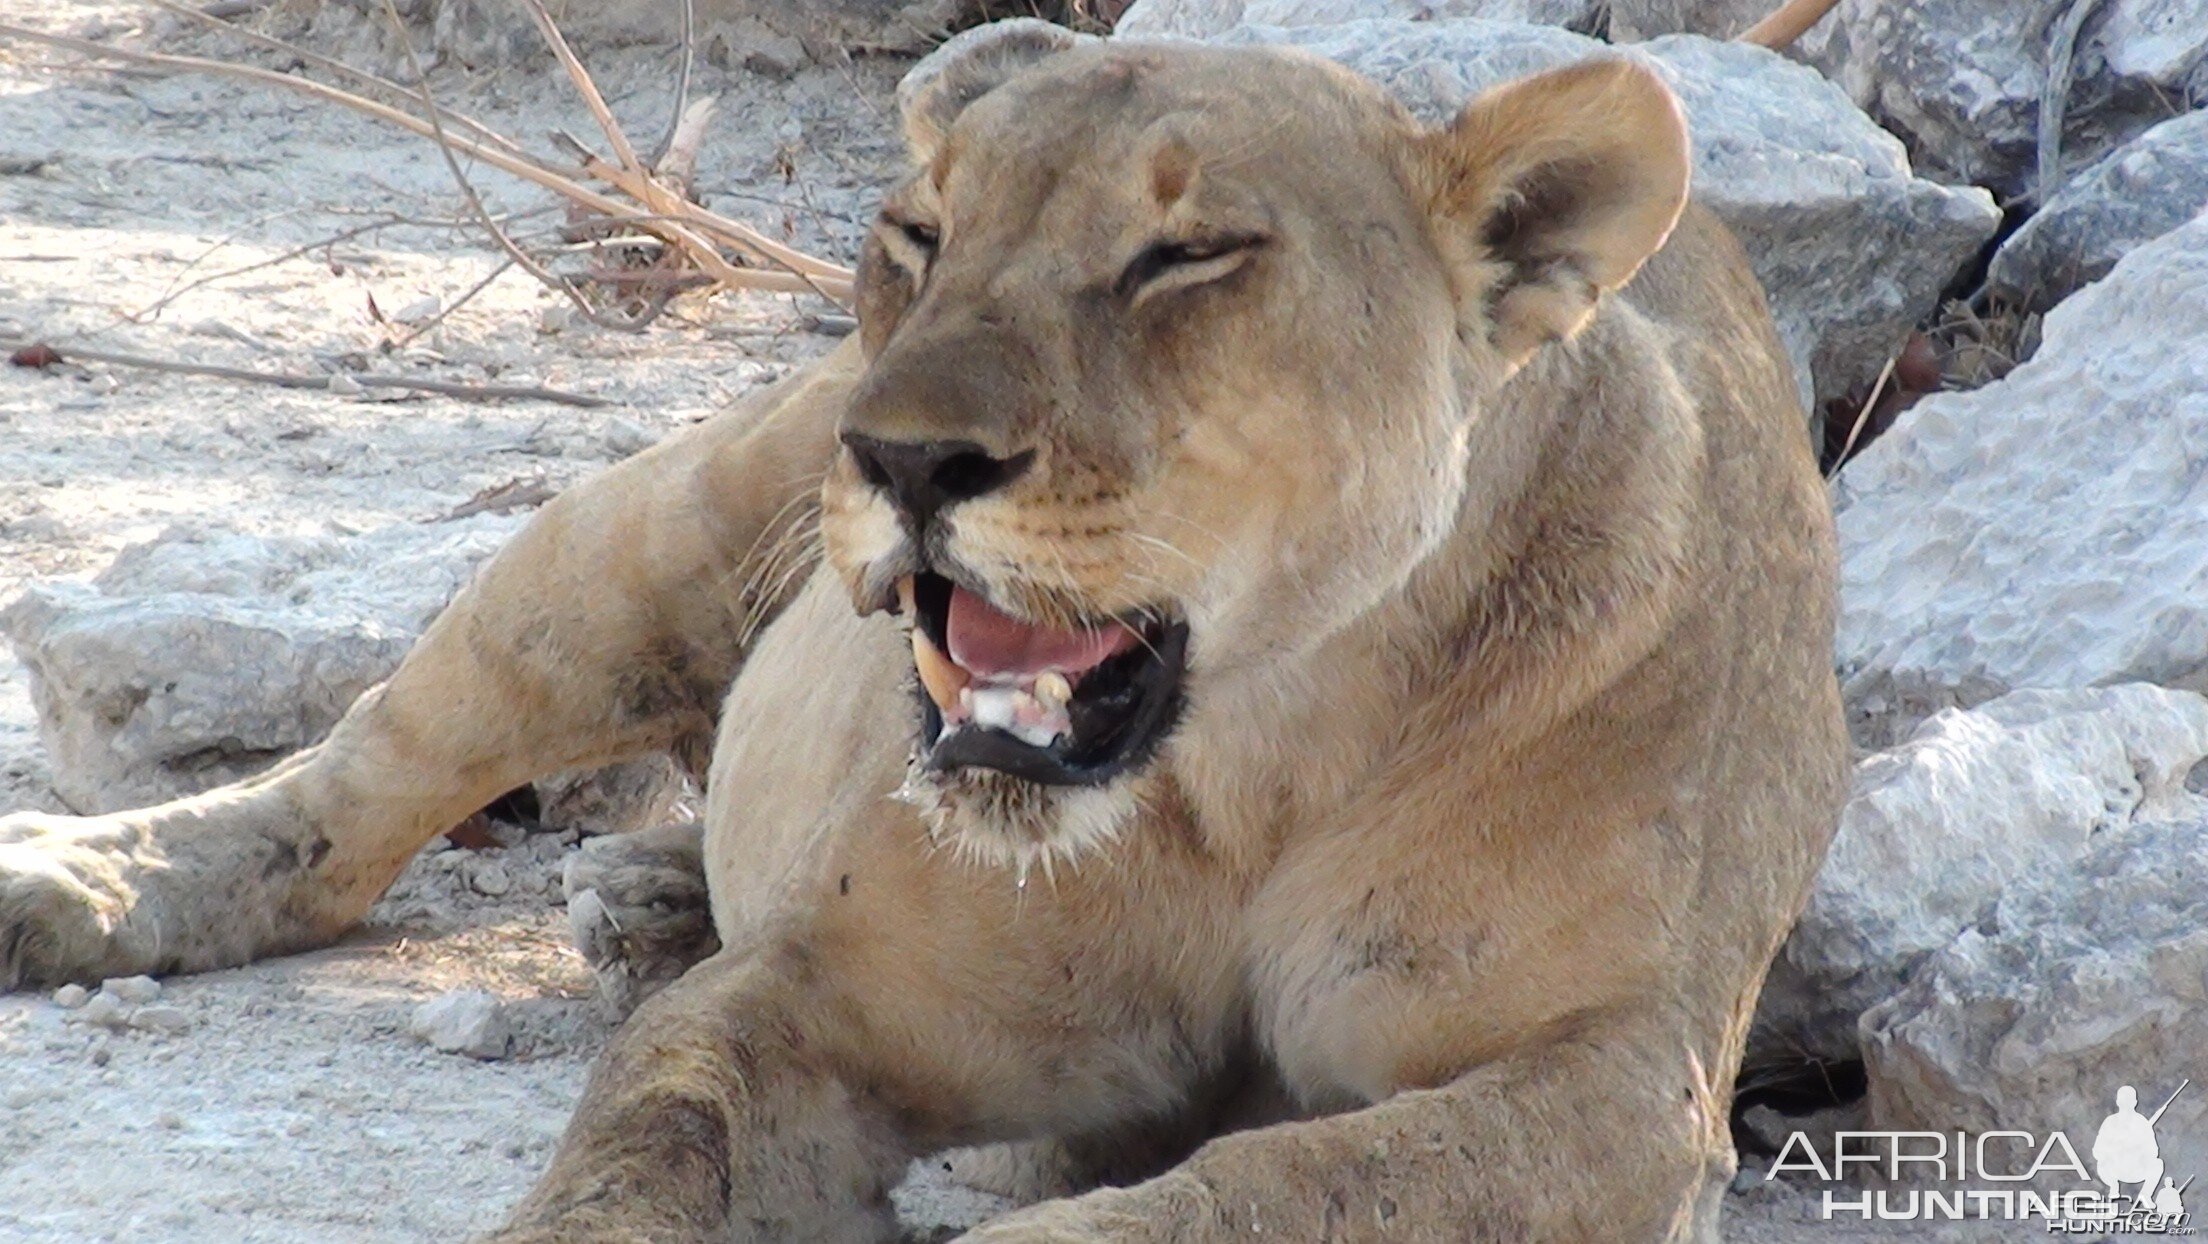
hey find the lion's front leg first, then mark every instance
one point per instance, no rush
(891, 1001)
(723, 1111)
(1612, 1133)
(608, 628)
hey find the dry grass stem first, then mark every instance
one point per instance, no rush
(695, 248)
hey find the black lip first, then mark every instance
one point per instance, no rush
(1121, 712)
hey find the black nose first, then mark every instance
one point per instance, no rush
(925, 478)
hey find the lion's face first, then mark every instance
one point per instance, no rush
(1172, 356)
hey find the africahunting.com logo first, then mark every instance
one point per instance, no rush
(1958, 1175)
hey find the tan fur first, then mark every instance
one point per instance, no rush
(1511, 741)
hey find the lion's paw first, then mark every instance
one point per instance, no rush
(638, 911)
(68, 887)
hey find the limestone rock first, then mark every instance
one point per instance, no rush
(1939, 828)
(1961, 80)
(132, 990)
(2080, 982)
(2048, 530)
(205, 655)
(465, 1021)
(1634, 20)
(2136, 193)
(1203, 19)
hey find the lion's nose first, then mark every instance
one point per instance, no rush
(925, 478)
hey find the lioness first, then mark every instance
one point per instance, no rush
(1339, 672)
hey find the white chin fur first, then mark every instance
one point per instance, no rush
(994, 821)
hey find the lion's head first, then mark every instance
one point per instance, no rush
(1172, 353)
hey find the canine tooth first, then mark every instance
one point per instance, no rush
(938, 673)
(904, 596)
(1052, 688)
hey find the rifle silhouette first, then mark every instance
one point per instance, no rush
(2157, 1115)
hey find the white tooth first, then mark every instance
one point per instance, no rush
(1052, 689)
(996, 708)
(1035, 736)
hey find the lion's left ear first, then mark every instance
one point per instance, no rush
(1550, 191)
(969, 66)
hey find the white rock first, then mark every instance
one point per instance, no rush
(420, 311)
(344, 385)
(2049, 530)
(489, 877)
(1852, 248)
(132, 990)
(1201, 19)
(1961, 80)
(1938, 828)
(70, 997)
(623, 438)
(205, 655)
(2080, 982)
(2136, 193)
(161, 1019)
(466, 1021)
(1633, 20)
(102, 1008)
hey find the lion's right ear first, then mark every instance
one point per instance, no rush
(1548, 192)
(969, 66)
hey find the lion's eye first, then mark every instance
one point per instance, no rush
(922, 236)
(911, 243)
(1188, 261)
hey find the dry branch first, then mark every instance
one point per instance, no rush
(701, 248)
(45, 354)
(1790, 21)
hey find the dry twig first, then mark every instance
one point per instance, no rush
(49, 355)
(2054, 97)
(701, 247)
(1785, 24)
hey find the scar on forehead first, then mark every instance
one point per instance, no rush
(1170, 153)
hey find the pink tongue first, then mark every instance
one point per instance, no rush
(992, 644)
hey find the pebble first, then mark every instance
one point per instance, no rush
(161, 1019)
(489, 878)
(419, 311)
(70, 997)
(466, 1021)
(101, 1008)
(132, 990)
(624, 437)
(344, 385)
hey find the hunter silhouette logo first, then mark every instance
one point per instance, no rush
(2124, 1151)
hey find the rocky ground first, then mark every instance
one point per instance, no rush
(2046, 531)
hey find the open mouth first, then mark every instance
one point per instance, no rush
(1061, 706)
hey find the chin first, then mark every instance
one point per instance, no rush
(995, 820)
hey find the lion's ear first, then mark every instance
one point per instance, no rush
(968, 67)
(1550, 191)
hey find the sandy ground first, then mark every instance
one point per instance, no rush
(292, 1103)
